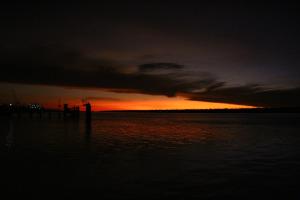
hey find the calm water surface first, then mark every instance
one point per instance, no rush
(153, 156)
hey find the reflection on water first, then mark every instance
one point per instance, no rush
(10, 136)
(88, 131)
(151, 155)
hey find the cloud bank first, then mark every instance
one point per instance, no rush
(68, 68)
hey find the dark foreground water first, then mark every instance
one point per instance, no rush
(153, 156)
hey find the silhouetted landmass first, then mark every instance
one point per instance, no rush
(243, 110)
(8, 110)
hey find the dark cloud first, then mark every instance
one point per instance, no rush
(97, 98)
(159, 66)
(41, 66)
(60, 67)
(253, 95)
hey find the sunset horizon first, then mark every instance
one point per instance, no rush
(110, 101)
(150, 100)
(203, 57)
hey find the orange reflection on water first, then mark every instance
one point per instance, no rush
(159, 130)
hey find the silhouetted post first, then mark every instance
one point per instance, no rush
(49, 114)
(40, 113)
(10, 135)
(88, 112)
(77, 112)
(65, 110)
(18, 112)
(88, 115)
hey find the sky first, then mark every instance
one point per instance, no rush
(137, 55)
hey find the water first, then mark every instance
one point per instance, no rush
(153, 156)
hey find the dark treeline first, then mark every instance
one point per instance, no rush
(8, 110)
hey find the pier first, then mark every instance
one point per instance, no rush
(37, 111)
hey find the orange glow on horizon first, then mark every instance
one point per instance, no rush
(51, 97)
(148, 104)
